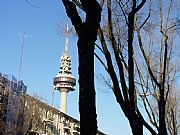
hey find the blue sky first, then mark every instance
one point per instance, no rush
(42, 50)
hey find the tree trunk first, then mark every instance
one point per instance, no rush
(87, 107)
(87, 33)
(137, 128)
(162, 123)
(136, 125)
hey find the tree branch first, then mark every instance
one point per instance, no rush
(73, 15)
(118, 60)
(131, 20)
(111, 72)
(146, 124)
(119, 3)
(145, 99)
(146, 59)
(146, 18)
(139, 6)
(100, 60)
(78, 4)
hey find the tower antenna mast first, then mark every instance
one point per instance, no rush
(21, 57)
(67, 39)
(64, 81)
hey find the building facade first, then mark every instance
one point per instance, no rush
(44, 119)
(11, 105)
(21, 114)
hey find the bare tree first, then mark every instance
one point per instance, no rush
(87, 34)
(173, 113)
(144, 71)
(159, 60)
(125, 92)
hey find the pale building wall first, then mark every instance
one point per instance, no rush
(57, 122)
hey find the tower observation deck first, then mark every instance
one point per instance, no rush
(64, 81)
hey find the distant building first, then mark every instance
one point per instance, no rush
(11, 104)
(48, 120)
(21, 114)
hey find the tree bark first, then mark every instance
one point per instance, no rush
(87, 107)
(87, 33)
(136, 126)
(162, 123)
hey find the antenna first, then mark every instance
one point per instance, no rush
(67, 34)
(53, 97)
(22, 50)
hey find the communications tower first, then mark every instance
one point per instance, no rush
(64, 81)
